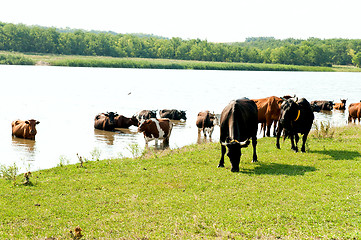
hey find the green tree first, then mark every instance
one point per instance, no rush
(356, 60)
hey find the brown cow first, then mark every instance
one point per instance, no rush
(354, 112)
(24, 129)
(154, 129)
(341, 105)
(125, 122)
(268, 112)
(105, 121)
(206, 122)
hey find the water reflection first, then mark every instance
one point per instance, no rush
(105, 136)
(26, 145)
(201, 139)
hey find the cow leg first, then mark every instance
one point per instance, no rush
(199, 131)
(264, 126)
(304, 138)
(269, 124)
(211, 132)
(293, 147)
(279, 131)
(296, 140)
(254, 144)
(275, 128)
(204, 132)
(223, 151)
(166, 143)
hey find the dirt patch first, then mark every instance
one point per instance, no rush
(42, 63)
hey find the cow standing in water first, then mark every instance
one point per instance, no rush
(173, 114)
(125, 122)
(296, 117)
(24, 129)
(323, 105)
(105, 121)
(206, 122)
(239, 124)
(146, 114)
(154, 129)
(341, 105)
(354, 112)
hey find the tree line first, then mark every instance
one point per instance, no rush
(310, 52)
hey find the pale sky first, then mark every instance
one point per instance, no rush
(215, 21)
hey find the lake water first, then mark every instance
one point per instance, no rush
(66, 100)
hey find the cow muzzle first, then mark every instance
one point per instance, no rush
(241, 144)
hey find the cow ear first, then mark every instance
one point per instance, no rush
(37, 122)
(27, 122)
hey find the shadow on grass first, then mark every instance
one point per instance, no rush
(339, 154)
(279, 169)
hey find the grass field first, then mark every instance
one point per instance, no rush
(110, 62)
(181, 194)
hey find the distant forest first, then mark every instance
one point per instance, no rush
(310, 52)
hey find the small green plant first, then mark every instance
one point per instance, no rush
(95, 154)
(325, 130)
(135, 150)
(63, 161)
(9, 172)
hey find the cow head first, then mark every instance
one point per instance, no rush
(32, 126)
(234, 152)
(315, 108)
(289, 112)
(111, 116)
(183, 115)
(134, 121)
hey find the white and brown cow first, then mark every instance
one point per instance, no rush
(206, 122)
(24, 129)
(154, 129)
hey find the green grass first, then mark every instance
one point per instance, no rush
(181, 194)
(15, 59)
(110, 62)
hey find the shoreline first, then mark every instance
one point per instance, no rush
(148, 63)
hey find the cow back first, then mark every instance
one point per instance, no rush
(204, 120)
(239, 120)
(297, 116)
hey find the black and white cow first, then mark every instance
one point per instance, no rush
(173, 114)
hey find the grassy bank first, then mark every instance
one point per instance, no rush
(109, 62)
(181, 194)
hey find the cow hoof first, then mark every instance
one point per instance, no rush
(234, 170)
(254, 160)
(220, 165)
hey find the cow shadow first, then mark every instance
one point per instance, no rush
(278, 169)
(339, 154)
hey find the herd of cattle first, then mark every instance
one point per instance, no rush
(238, 123)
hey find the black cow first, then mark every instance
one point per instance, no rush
(239, 123)
(323, 105)
(296, 117)
(146, 114)
(173, 114)
(105, 121)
